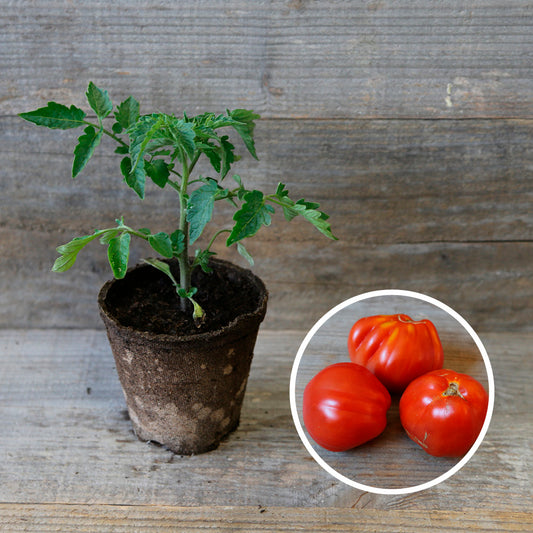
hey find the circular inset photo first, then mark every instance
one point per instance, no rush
(392, 392)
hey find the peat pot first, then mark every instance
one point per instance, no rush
(184, 392)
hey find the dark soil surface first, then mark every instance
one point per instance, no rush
(146, 300)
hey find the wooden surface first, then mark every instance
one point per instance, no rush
(410, 123)
(429, 207)
(285, 58)
(69, 461)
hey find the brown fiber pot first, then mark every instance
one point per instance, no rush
(186, 392)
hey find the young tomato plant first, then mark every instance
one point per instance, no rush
(165, 149)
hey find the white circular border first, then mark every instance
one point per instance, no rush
(303, 436)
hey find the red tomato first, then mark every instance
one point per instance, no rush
(345, 405)
(395, 348)
(443, 411)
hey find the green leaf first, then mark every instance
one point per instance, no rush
(162, 244)
(56, 116)
(127, 112)
(228, 156)
(202, 258)
(182, 293)
(85, 148)
(212, 152)
(183, 134)
(253, 214)
(163, 267)
(200, 208)
(158, 172)
(244, 252)
(317, 218)
(141, 137)
(245, 127)
(178, 241)
(136, 179)
(108, 235)
(99, 100)
(118, 253)
(308, 210)
(69, 251)
(117, 128)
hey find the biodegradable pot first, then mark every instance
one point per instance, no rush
(185, 392)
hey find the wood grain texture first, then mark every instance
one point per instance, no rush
(442, 207)
(125, 519)
(282, 58)
(66, 440)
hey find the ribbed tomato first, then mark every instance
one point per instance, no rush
(345, 405)
(443, 412)
(395, 348)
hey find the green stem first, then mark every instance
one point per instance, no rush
(183, 258)
(215, 236)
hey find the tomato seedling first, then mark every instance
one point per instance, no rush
(395, 348)
(443, 412)
(164, 149)
(344, 406)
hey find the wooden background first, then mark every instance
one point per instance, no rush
(410, 122)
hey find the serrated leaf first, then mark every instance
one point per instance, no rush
(122, 150)
(253, 214)
(200, 208)
(307, 210)
(244, 253)
(99, 100)
(69, 251)
(183, 134)
(118, 253)
(158, 172)
(136, 179)
(127, 112)
(56, 116)
(212, 152)
(85, 148)
(228, 156)
(161, 243)
(142, 137)
(245, 127)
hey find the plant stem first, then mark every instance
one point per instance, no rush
(183, 258)
(215, 236)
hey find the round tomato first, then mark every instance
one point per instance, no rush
(395, 348)
(443, 411)
(345, 405)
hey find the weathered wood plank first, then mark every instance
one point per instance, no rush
(490, 284)
(442, 207)
(93, 518)
(283, 58)
(391, 181)
(64, 429)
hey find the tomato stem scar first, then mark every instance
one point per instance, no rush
(453, 390)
